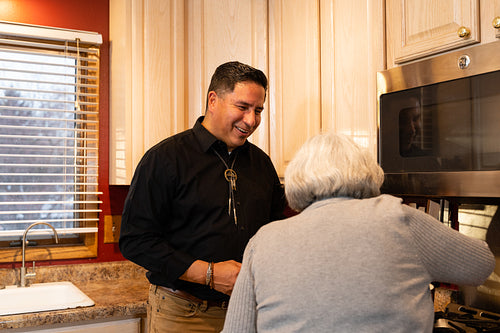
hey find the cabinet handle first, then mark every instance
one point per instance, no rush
(463, 32)
(496, 22)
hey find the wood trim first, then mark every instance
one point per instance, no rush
(54, 252)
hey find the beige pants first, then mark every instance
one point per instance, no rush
(172, 314)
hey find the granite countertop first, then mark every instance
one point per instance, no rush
(119, 289)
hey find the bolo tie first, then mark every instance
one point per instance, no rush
(231, 177)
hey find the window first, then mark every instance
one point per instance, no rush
(49, 135)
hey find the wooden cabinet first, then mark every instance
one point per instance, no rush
(352, 51)
(490, 17)
(420, 28)
(221, 31)
(321, 58)
(147, 95)
(163, 54)
(294, 69)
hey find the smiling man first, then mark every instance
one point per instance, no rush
(196, 199)
(232, 116)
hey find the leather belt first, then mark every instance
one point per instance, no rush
(188, 297)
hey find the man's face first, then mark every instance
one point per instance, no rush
(232, 117)
(409, 126)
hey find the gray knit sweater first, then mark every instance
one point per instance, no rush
(348, 265)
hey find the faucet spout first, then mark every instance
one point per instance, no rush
(24, 275)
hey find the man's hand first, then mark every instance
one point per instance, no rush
(225, 274)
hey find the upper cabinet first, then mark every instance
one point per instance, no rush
(217, 32)
(490, 20)
(294, 72)
(163, 54)
(420, 28)
(322, 72)
(147, 77)
(320, 61)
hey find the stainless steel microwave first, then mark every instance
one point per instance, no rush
(439, 125)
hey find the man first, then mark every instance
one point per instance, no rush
(410, 128)
(194, 202)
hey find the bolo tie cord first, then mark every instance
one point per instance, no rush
(231, 178)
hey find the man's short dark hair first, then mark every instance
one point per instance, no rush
(228, 74)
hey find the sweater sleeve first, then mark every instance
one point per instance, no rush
(448, 255)
(242, 311)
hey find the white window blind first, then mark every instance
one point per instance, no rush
(49, 130)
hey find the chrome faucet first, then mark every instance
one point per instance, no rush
(25, 275)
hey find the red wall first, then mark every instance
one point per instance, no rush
(89, 15)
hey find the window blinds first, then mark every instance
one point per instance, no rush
(49, 129)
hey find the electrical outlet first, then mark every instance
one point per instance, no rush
(112, 228)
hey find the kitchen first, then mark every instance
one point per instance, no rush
(321, 57)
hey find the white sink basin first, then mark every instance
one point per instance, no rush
(42, 297)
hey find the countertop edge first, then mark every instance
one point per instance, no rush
(113, 298)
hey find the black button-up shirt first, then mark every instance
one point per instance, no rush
(176, 210)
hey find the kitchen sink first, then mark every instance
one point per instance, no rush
(42, 297)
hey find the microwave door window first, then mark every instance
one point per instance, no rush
(453, 114)
(487, 119)
(410, 131)
(449, 126)
(406, 133)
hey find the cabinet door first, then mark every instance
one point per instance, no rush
(320, 57)
(352, 51)
(490, 11)
(418, 28)
(294, 72)
(164, 53)
(217, 32)
(147, 101)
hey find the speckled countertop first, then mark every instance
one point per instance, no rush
(119, 289)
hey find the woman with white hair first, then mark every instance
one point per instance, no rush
(352, 260)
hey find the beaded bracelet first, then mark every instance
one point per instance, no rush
(210, 275)
(212, 282)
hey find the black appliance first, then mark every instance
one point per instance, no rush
(439, 125)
